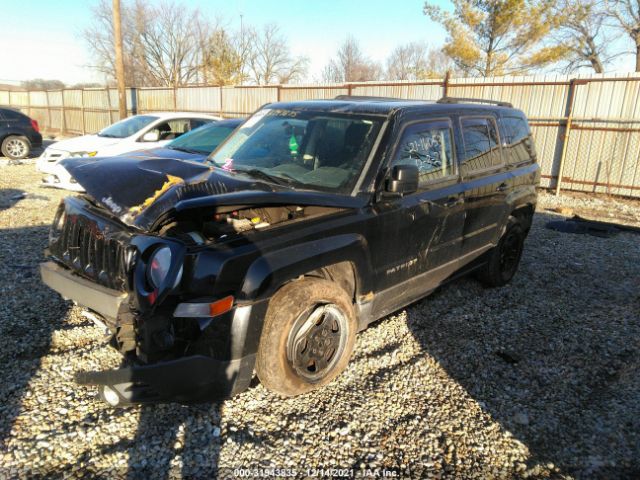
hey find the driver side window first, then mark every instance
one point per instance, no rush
(428, 145)
(170, 130)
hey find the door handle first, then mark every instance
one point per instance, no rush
(502, 187)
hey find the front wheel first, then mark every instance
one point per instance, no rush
(308, 337)
(503, 259)
(15, 147)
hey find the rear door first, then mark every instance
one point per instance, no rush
(485, 181)
(419, 235)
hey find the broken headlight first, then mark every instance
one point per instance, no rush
(57, 225)
(158, 268)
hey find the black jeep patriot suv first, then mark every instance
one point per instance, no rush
(311, 221)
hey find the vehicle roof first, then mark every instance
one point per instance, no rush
(230, 121)
(13, 109)
(382, 106)
(169, 115)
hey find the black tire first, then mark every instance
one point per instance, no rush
(290, 361)
(16, 147)
(503, 259)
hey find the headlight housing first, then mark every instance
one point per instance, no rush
(58, 223)
(158, 267)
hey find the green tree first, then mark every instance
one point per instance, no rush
(498, 37)
(223, 60)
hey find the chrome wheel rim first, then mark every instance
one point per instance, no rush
(317, 341)
(16, 148)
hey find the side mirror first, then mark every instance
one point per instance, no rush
(404, 179)
(151, 136)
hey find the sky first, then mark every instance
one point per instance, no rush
(42, 38)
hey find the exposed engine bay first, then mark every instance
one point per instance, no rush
(229, 221)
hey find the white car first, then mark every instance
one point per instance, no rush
(140, 132)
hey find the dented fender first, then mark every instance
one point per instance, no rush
(271, 270)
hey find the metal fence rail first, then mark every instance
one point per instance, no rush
(586, 127)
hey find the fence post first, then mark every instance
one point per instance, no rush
(82, 110)
(571, 97)
(220, 98)
(445, 85)
(46, 92)
(63, 125)
(134, 100)
(278, 87)
(175, 98)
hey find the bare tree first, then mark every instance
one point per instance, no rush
(351, 65)
(416, 61)
(270, 60)
(99, 38)
(582, 34)
(407, 62)
(167, 43)
(625, 15)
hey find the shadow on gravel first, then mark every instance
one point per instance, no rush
(554, 357)
(29, 314)
(10, 196)
(186, 442)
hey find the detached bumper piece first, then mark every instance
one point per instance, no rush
(187, 380)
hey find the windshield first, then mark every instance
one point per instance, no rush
(204, 139)
(127, 127)
(315, 150)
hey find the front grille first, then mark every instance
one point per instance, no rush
(89, 251)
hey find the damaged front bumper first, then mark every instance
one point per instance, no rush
(186, 380)
(190, 379)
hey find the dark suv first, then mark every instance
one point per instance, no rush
(308, 223)
(19, 134)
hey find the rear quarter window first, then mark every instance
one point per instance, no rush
(516, 129)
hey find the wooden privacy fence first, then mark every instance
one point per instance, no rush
(587, 128)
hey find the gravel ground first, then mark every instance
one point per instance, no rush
(539, 379)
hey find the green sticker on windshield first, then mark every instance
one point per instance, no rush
(293, 145)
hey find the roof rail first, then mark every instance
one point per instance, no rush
(474, 100)
(364, 98)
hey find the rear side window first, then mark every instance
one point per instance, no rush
(516, 129)
(198, 122)
(427, 145)
(481, 142)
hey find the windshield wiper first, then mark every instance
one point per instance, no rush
(257, 173)
(188, 150)
(108, 135)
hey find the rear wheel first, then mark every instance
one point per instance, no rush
(15, 147)
(503, 259)
(308, 337)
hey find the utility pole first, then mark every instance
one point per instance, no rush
(117, 41)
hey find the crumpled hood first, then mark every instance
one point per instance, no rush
(165, 152)
(86, 143)
(139, 192)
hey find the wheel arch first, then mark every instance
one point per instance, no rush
(342, 258)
